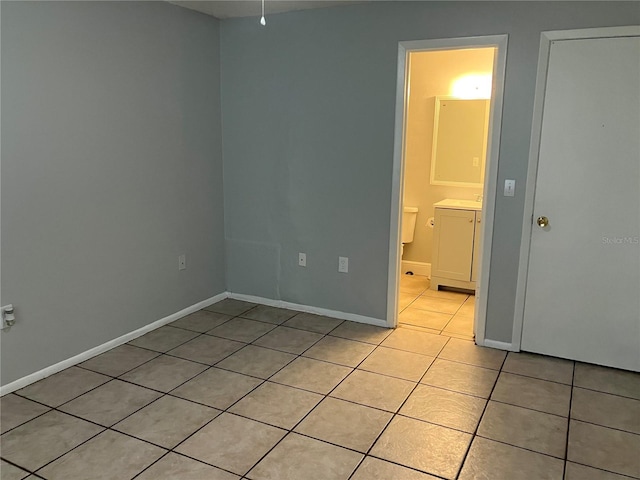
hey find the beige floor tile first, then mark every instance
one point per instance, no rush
(242, 330)
(206, 349)
(539, 366)
(256, 361)
(437, 304)
(373, 390)
(345, 424)
(277, 405)
(488, 460)
(424, 318)
(110, 403)
(604, 448)
(10, 472)
(467, 352)
(340, 350)
(107, 456)
(201, 321)
(290, 340)
(163, 339)
(119, 360)
(573, 471)
(375, 469)
(217, 388)
(15, 410)
(521, 427)
(443, 407)
(361, 332)
(460, 377)
(608, 380)
(415, 341)
(414, 284)
(397, 363)
(460, 324)
(63, 386)
(405, 299)
(231, 442)
(298, 457)
(177, 467)
(430, 448)
(313, 323)
(459, 336)
(45, 438)
(230, 306)
(447, 295)
(606, 410)
(549, 397)
(268, 314)
(468, 307)
(416, 328)
(167, 421)
(313, 375)
(164, 373)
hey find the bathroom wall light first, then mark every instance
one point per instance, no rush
(472, 87)
(263, 22)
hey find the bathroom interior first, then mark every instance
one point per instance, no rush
(446, 136)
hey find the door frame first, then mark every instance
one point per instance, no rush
(491, 167)
(534, 152)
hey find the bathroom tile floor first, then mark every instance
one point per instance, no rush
(441, 312)
(248, 391)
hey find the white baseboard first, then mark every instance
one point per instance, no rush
(499, 345)
(418, 268)
(308, 309)
(81, 357)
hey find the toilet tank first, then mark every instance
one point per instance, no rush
(409, 216)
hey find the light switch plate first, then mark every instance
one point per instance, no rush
(509, 188)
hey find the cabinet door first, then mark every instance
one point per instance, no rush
(477, 243)
(453, 243)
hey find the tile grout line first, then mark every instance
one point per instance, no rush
(566, 443)
(395, 413)
(475, 435)
(227, 410)
(325, 396)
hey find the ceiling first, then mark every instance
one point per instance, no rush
(252, 8)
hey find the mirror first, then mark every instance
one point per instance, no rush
(460, 131)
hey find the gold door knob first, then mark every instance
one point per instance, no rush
(542, 222)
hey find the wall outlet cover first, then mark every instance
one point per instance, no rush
(343, 264)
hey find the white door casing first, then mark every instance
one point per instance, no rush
(491, 170)
(580, 276)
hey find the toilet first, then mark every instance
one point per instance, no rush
(409, 216)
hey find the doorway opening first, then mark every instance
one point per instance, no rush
(448, 112)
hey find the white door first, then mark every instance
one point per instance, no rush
(582, 298)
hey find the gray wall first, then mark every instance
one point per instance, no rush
(308, 107)
(111, 167)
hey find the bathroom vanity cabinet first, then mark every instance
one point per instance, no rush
(456, 244)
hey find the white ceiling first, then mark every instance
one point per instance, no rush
(251, 8)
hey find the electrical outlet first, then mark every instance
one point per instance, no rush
(182, 262)
(343, 264)
(302, 259)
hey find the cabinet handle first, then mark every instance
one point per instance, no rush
(478, 220)
(470, 220)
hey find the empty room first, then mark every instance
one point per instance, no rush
(320, 240)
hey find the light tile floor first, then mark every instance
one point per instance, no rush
(441, 312)
(255, 392)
